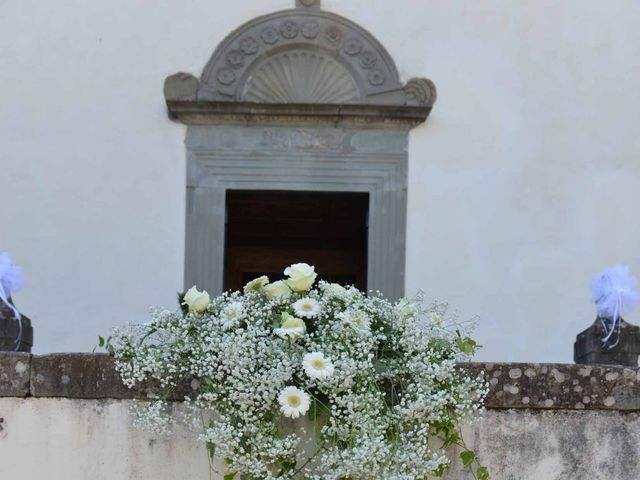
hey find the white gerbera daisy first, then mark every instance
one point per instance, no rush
(317, 366)
(293, 402)
(232, 314)
(306, 307)
(291, 327)
(256, 284)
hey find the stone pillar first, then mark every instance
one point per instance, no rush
(589, 349)
(10, 328)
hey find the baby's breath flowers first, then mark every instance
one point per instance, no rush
(376, 385)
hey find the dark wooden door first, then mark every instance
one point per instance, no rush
(269, 230)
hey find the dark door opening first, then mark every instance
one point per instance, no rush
(269, 230)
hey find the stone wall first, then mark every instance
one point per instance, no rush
(66, 416)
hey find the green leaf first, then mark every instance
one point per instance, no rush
(452, 438)
(229, 476)
(211, 448)
(440, 471)
(467, 457)
(100, 341)
(482, 473)
(466, 345)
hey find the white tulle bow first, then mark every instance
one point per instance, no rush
(613, 292)
(11, 280)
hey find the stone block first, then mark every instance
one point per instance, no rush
(560, 386)
(181, 86)
(76, 375)
(87, 376)
(15, 371)
(589, 349)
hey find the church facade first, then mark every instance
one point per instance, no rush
(485, 152)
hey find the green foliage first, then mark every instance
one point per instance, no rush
(106, 344)
(482, 473)
(467, 457)
(183, 308)
(466, 344)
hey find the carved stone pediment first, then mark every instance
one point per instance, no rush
(302, 57)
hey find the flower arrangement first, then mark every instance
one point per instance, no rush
(374, 385)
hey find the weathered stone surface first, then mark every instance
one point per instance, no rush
(76, 375)
(40, 439)
(86, 375)
(554, 445)
(14, 374)
(512, 385)
(560, 386)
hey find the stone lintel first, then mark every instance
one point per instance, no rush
(197, 112)
(512, 385)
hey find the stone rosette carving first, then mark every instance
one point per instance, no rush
(352, 46)
(226, 76)
(235, 59)
(249, 45)
(289, 30)
(333, 34)
(368, 59)
(310, 29)
(376, 77)
(270, 35)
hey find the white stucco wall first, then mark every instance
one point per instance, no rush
(88, 439)
(522, 182)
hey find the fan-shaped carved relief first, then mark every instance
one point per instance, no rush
(356, 67)
(300, 76)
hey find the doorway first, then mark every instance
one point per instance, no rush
(267, 230)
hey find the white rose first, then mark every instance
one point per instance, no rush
(277, 289)
(406, 309)
(198, 302)
(301, 276)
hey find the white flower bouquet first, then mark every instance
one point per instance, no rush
(374, 386)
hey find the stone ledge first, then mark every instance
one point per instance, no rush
(512, 385)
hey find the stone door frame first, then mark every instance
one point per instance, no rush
(299, 159)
